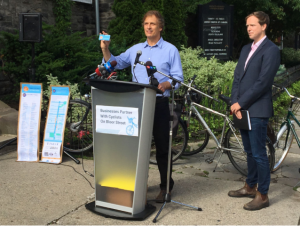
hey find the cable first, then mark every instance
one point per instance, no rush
(88, 173)
(135, 77)
(79, 174)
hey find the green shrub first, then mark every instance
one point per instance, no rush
(212, 74)
(282, 103)
(290, 57)
(67, 56)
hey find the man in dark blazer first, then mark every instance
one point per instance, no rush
(252, 91)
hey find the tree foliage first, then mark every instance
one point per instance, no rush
(67, 57)
(128, 22)
(62, 11)
(174, 21)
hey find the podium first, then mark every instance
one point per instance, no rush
(123, 114)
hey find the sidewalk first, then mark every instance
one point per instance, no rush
(37, 193)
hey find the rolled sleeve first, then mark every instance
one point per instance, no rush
(176, 69)
(123, 60)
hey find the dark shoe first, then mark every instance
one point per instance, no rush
(260, 201)
(161, 196)
(245, 191)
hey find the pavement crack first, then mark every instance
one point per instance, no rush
(57, 219)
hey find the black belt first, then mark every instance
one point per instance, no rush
(161, 99)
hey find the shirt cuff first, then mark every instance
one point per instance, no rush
(112, 58)
(177, 85)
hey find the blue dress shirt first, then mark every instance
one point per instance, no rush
(163, 55)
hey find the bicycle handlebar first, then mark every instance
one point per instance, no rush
(196, 90)
(285, 89)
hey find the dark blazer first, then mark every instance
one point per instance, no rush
(252, 87)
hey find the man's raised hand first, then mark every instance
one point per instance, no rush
(104, 44)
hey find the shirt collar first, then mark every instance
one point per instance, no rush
(259, 42)
(159, 43)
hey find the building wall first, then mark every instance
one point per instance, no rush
(83, 15)
(83, 19)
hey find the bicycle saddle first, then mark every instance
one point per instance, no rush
(225, 99)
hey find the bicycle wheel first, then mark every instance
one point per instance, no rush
(78, 134)
(179, 143)
(198, 137)
(282, 145)
(239, 159)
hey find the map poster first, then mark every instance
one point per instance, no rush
(55, 124)
(29, 121)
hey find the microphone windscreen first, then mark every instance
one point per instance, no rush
(98, 72)
(113, 63)
(148, 63)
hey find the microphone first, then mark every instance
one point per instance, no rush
(96, 73)
(150, 72)
(137, 58)
(150, 67)
(147, 65)
(104, 70)
(108, 67)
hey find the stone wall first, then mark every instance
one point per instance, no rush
(83, 19)
(83, 15)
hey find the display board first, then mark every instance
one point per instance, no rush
(29, 121)
(55, 124)
(215, 20)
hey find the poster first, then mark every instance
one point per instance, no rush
(117, 120)
(55, 124)
(29, 121)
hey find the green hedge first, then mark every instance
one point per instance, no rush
(67, 56)
(290, 57)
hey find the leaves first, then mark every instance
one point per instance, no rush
(67, 57)
(210, 73)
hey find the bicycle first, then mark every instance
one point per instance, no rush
(198, 136)
(286, 133)
(229, 142)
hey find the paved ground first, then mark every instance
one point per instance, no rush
(37, 193)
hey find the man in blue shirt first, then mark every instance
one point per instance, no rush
(166, 58)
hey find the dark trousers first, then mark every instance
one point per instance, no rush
(161, 139)
(255, 145)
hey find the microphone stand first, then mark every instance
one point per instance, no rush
(168, 197)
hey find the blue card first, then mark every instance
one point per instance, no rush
(104, 37)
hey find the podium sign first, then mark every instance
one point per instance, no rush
(117, 120)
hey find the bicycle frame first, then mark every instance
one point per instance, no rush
(225, 116)
(290, 125)
(289, 115)
(226, 119)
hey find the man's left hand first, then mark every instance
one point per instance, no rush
(235, 107)
(164, 86)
